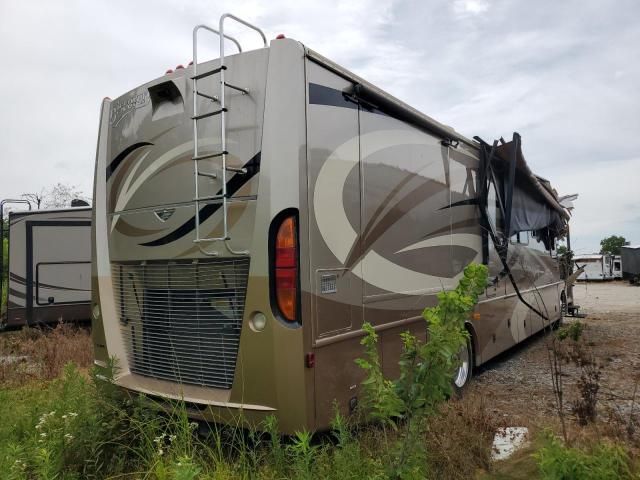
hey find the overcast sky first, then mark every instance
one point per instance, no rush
(564, 74)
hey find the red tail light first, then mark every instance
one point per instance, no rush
(286, 269)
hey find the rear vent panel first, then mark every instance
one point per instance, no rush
(181, 321)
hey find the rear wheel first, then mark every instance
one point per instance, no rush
(465, 370)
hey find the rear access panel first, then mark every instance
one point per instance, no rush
(333, 289)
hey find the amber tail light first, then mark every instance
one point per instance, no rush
(286, 269)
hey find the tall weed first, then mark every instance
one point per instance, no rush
(602, 461)
(426, 373)
(41, 354)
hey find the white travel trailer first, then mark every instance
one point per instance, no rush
(49, 277)
(616, 267)
(596, 267)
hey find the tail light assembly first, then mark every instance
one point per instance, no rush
(285, 271)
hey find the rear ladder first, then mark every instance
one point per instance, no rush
(222, 112)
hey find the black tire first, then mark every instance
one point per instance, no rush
(465, 371)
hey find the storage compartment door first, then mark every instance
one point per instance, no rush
(63, 283)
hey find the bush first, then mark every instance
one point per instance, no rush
(426, 373)
(602, 461)
(426, 368)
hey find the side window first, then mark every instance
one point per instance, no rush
(537, 243)
(521, 238)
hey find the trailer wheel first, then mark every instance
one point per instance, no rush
(465, 370)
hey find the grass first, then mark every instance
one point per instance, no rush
(41, 354)
(61, 422)
(593, 460)
(521, 466)
(78, 427)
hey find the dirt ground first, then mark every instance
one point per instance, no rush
(518, 384)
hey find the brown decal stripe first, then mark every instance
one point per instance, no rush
(17, 279)
(462, 224)
(16, 293)
(112, 167)
(233, 185)
(372, 233)
(58, 287)
(21, 281)
(468, 201)
(127, 229)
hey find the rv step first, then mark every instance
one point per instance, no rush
(240, 89)
(209, 73)
(207, 174)
(209, 114)
(241, 171)
(210, 155)
(211, 197)
(213, 98)
(212, 239)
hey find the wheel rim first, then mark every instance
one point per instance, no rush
(463, 370)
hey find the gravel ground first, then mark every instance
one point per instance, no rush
(517, 385)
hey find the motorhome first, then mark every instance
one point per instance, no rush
(49, 267)
(253, 211)
(597, 267)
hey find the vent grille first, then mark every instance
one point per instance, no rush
(181, 321)
(329, 283)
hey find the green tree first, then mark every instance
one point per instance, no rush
(611, 245)
(561, 250)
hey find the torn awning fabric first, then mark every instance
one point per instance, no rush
(534, 203)
(530, 213)
(527, 203)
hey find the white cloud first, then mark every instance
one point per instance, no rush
(470, 7)
(563, 74)
(608, 202)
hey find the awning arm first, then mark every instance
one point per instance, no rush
(510, 183)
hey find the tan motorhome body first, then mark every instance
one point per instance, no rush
(385, 221)
(49, 266)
